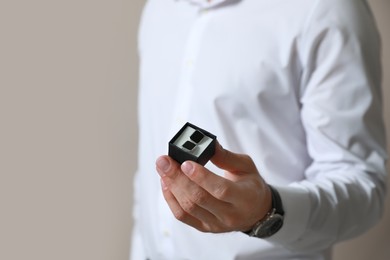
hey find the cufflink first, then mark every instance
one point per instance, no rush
(189, 146)
(192, 143)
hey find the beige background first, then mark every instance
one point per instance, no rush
(68, 133)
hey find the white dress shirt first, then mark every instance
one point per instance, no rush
(295, 84)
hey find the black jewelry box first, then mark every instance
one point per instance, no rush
(192, 143)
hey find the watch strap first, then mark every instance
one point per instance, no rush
(276, 201)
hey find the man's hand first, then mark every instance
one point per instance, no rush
(211, 203)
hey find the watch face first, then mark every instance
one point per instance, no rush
(269, 227)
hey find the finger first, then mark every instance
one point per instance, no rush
(166, 166)
(233, 199)
(232, 162)
(220, 188)
(190, 213)
(177, 210)
(187, 192)
(194, 200)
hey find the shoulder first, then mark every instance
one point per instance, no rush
(341, 12)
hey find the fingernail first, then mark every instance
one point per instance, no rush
(163, 164)
(187, 168)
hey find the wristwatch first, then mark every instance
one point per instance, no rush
(273, 221)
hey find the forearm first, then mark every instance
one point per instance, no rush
(330, 208)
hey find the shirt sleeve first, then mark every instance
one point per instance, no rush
(343, 192)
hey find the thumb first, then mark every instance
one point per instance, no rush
(232, 162)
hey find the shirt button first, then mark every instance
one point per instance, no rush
(166, 233)
(190, 63)
(180, 121)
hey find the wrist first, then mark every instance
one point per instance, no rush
(268, 202)
(273, 219)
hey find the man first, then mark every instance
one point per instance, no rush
(291, 88)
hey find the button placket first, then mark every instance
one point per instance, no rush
(186, 87)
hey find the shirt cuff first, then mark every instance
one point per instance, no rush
(296, 205)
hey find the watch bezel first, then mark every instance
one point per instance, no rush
(269, 226)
